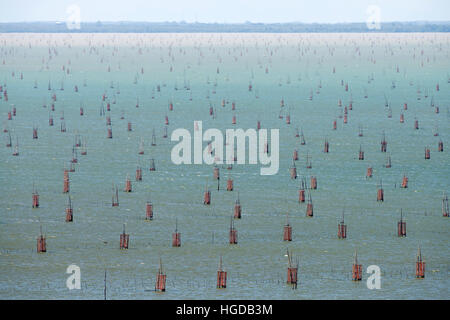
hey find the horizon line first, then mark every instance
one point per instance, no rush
(223, 23)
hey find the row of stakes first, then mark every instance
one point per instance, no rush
(292, 269)
(292, 272)
(295, 157)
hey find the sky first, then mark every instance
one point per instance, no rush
(225, 11)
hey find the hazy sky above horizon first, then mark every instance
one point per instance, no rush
(228, 11)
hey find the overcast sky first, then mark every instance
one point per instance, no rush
(328, 11)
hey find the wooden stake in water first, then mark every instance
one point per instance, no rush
(292, 274)
(104, 291)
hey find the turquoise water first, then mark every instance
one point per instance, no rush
(297, 64)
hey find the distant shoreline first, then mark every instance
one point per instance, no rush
(197, 27)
